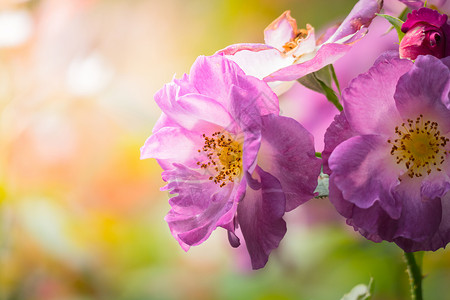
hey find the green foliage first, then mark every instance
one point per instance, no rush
(320, 81)
(396, 23)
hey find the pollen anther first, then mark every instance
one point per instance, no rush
(420, 146)
(225, 153)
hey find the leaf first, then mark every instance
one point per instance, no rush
(310, 81)
(322, 185)
(396, 23)
(320, 81)
(331, 95)
(336, 81)
(360, 292)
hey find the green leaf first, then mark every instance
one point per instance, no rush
(322, 185)
(310, 81)
(360, 292)
(331, 95)
(336, 81)
(396, 23)
(320, 81)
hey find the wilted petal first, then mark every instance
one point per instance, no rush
(360, 16)
(280, 31)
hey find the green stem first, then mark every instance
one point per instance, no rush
(415, 276)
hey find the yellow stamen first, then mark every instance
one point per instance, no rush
(420, 146)
(223, 157)
(300, 35)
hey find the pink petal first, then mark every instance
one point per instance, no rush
(200, 206)
(327, 54)
(287, 152)
(172, 143)
(233, 49)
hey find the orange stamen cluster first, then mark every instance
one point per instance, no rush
(301, 34)
(420, 146)
(224, 158)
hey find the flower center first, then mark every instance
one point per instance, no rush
(224, 158)
(301, 34)
(420, 146)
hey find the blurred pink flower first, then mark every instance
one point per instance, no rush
(290, 53)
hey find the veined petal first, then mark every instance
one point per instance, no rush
(247, 116)
(260, 216)
(338, 132)
(207, 72)
(200, 205)
(424, 90)
(369, 99)
(421, 215)
(172, 143)
(195, 106)
(280, 31)
(366, 173)
(287, 152)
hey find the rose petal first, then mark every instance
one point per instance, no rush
(424, 90)
(260, 217)
(360, 16)
(172, 143)
(280, 31)
(369, 99)
(200, 205)
(287, 152)
(207, 72)
(365, 172)
(338, 132)
(326, 54)
(261, 63)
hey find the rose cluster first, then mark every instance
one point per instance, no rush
(231, 160)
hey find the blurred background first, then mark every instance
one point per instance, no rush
(82, 217)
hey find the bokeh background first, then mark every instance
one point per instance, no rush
(82, 217)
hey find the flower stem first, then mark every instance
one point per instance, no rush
(415, 275)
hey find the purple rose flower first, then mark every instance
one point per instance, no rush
(228, 157)
(390, 153)
(426, 32)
